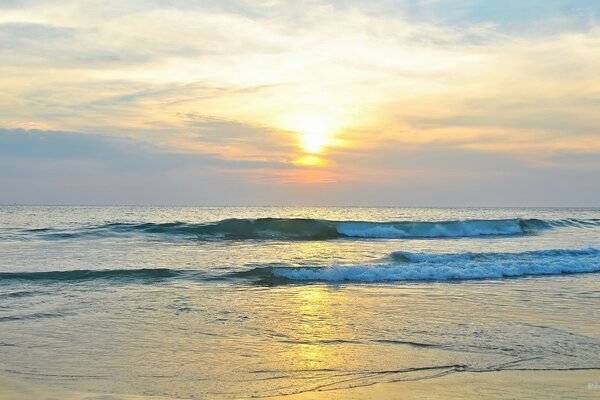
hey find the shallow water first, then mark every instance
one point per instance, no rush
(237, 302)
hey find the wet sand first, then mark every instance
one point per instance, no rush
(581, 384)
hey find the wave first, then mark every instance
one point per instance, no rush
(314, 229)
(86, 275)
(400, 266)
(405, 266)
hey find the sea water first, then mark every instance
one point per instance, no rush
(230, 302)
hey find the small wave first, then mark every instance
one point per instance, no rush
(311, 229)
(407, 266)
(85, 274)
(34, 316)
(20, 293)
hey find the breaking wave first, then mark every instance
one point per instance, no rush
(405, 266)
(399, 266)
(312, 229)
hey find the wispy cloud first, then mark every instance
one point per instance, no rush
(414, 89)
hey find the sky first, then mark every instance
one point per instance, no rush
(267, 102)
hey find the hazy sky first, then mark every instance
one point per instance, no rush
(433, 102)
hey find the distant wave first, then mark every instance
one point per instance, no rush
(311, 229)
(400, 266)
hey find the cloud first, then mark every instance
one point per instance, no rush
(62, 167)
(236, 140)
(426, 90)
(67, 167)
(114, 154)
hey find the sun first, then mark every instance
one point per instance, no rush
(314, 131)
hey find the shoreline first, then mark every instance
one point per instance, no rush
(507, 384)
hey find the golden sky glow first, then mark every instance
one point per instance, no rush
(375, 92)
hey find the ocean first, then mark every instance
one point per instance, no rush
(239, 302)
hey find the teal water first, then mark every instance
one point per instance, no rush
(229, 302)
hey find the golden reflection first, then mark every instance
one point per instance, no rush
(316, 327)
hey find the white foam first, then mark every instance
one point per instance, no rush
(429, 229)
(465, 266)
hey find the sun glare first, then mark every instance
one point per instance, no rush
(314, 132)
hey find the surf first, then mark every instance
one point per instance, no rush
(407, 266)
(395, 267)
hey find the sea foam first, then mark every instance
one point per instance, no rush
(406, 266)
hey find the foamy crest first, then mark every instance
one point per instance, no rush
(463, 266)
(432, 229)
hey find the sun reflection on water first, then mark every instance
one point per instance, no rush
(315, 327)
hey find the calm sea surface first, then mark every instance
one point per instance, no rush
(229, 302)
